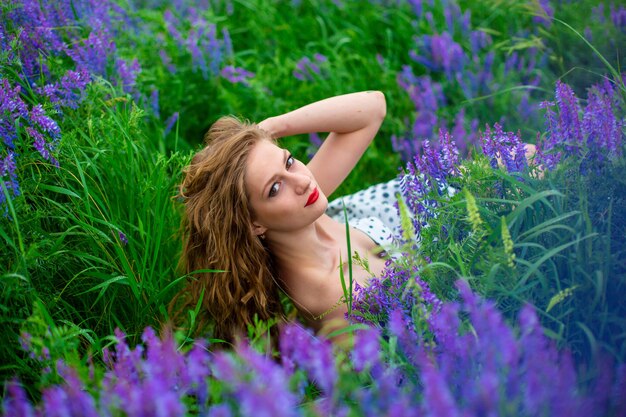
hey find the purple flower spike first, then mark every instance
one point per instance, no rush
(366, 352)
(169, 124)
(237, 75)
(312, 354)
(503, 148)
(16, 403)
(308, 69)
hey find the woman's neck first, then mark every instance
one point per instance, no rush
(311, 247)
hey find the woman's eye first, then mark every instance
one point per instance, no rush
(290, 162)
(274, 189)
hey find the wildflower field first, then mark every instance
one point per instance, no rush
(510, 296)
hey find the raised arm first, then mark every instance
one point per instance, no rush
(352, 120)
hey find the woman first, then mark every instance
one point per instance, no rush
(256, 213)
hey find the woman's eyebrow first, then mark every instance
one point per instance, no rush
(273, 177)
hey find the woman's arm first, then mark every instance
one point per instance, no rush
(351, 119)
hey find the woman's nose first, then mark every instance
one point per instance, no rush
(301, 183)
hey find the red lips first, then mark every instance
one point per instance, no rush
(313, 197)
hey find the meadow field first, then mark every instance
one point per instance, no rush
(509, 298)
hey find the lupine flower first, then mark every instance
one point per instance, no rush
(167, 61)
(604, 130)
(427, 96)
(316, 142)
(123, 238)
(7, 169)
(93, 53)
(396, 290)
(429, 172)
(569, 118)
(544, 14)
(258, 385)
(169, 123)
(565, 132)
(69, 92)
(16, 403)
(597, 13)
(300, 347)
(618, 17)
(11, 108)
(127, 74)
(439, 53)
(308, 69)
(504, 147)
(201, 41)
(154, 103)
(236, 75)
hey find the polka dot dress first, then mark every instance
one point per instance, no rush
(371, 210)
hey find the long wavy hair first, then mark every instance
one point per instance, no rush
(218, 236)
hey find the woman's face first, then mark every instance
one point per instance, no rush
(283, 192)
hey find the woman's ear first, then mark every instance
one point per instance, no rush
(258, 229)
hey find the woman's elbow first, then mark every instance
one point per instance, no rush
(381, 105)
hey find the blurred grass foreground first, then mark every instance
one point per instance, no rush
(508, 299)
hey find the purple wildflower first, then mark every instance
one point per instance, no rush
(314, 355)
(7, 169)
(545, 14)
(169, 123)
(316, 142)
(429, 173)
(569, 126)
(69, 92)
(604, 130)
(127, 74)
(427, 96)
(505, 148)
(308, 69)
(16, 403)
(154, 103)
(597, 13)
(93, 53)
(12, 107)
(618, 17)
(439, 53)
(397, 289)
(200, 40)
(167, 61)
(598, 136)
(366, 352)
(237, 75)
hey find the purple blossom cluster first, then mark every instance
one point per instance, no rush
(471, 70)
(55, 29)
(15, 118)
(40, 33)
(397, 289)
(594, 133)
(545, 14)
(618, 17)
(429, 172)
(427, 97)
(505, 148)
(439, 53)
(462, 360)
(308, 69)
(195, 35)
(237, 75)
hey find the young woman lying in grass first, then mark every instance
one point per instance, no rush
(258, 214)
(262, 219)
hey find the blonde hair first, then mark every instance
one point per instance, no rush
(218, 236)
